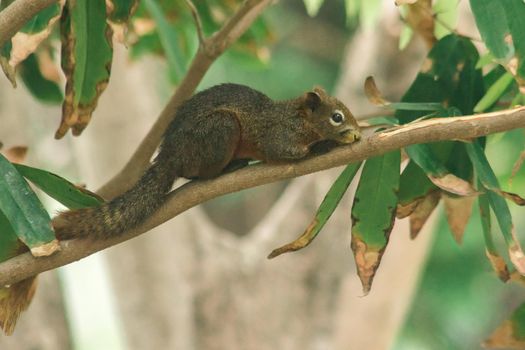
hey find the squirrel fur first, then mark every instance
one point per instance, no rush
(210, 131)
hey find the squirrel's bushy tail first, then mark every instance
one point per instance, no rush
(123, 212)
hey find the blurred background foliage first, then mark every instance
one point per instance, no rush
(460, 300)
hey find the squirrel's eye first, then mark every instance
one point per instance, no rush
(337, 118)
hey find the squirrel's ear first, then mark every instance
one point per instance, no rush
(312, 100)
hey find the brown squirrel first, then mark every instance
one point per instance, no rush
(218, 128)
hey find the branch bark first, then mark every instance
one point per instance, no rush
(14, 16)
(196, 192)
(209, 50)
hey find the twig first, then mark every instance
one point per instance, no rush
(196, 192)
(206, 55)
(14, 16)
(198, 22)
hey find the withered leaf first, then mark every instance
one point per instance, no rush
(458, 211)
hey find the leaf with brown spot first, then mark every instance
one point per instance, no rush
(373, 213)
(496, 261)
(422, 212)
(27, 40)
(119, 12)
(86, 61)
(423, 156)
(511, 333)
(499, 265)
(486, 177)
(34, 32)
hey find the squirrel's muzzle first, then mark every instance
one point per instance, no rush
(350, 135)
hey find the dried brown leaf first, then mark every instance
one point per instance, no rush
(420, 17)
(13, 300)
(513, 197)
(367, 261)
(302, 241)
(404, 210)
(373, 94)
(453, 184)
(46, 249)
(458, 211)
(504, 338)
(422, 212)
(499, 265)
(16, 154)
(517, 257)
(8, 70)
(25, 44)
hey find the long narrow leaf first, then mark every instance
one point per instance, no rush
(59, 188)
(486, 176)
(24, 211)
(495, 259)
(373, 213)
(327, 207)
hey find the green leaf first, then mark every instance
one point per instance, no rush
(9, 243)
(446, 17)
(169, 39)
(490, 19)
(373, 213)
(86, 61)
(352, 8)
(494, 93)
(436, 171)
(515, 13)
(313, 6)
(59, 188)
(327, 207)
(406, 35)
(414, 185)
(484, 60)
(449, 77)
(41, 20)
(370, 11)
(495, 259)
(498, 204)
(24, 211)
(45, 90)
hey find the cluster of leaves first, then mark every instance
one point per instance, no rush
(157, 27)
(162, 27)
(453, 81)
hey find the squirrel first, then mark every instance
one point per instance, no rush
(221, 127)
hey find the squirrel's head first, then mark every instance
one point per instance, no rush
(330, 117)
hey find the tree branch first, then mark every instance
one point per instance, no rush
(14, 16)
(196, 192)
(208, 51)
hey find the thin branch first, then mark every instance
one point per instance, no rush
(198, 22)
(206, 55)
(196, 192)
(14, 16)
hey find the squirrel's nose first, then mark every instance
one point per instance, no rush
(350, 135)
